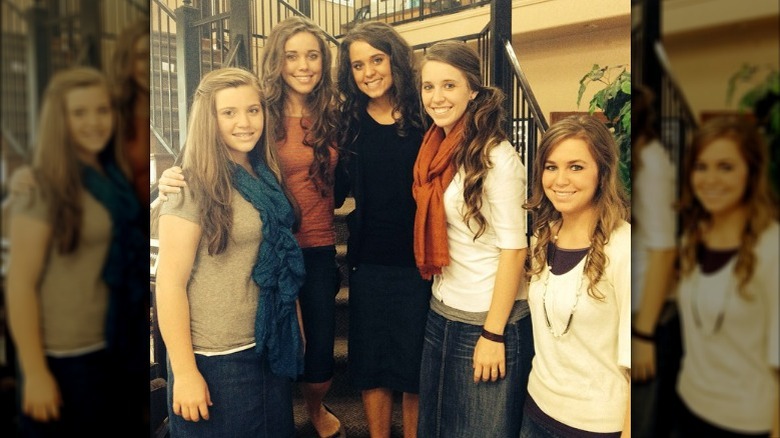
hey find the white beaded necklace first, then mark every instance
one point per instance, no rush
(695, 303)
(544, 298)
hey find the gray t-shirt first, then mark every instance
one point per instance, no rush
(73, 297)
(222, 295)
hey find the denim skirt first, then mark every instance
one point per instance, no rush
(248, 400)
(451, 404)
(87, 394)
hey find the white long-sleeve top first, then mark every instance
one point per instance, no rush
(580, 378)
(728, 378)
(467, 282)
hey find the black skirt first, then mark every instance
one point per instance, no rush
(388, 309)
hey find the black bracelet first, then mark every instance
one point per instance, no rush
(492, 336)
(643, 336)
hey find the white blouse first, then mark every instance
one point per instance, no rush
(579, 378)
(467, 282)
(728, 377)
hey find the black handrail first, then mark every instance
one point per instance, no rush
(163, 7)
(211, 19)
(15, 8)
(295, 11)
(683, 104)
(539, 119)
(233, 50)
(162, 141)
(15, 145)
(464, 38)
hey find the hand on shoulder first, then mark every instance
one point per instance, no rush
(170, 182)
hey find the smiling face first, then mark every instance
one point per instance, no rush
(371, 69)
(445, 93)
(302, 69)
(240, 119)
(720, 176)
(90, 119)
(570, 177)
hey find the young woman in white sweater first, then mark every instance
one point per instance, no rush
(728, 293)
(580, 289)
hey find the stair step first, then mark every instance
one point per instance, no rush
(350, 412)
(346, 208)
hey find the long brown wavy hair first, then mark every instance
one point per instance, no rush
(55, 163)
(482, 129)
(609, 200)
(320, 105)
(206, 160)
(403, 94)
(758, 198)
(122, 75)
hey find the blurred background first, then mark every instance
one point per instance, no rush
(695, 62)
(701, 59)
(39, 38)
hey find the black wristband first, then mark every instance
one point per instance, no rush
(643, 336)
(492, 336)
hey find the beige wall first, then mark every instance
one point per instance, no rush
(704, 59)
(686, 15)
(556, 41)
(554, 64)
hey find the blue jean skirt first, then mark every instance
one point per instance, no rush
(248, 400)
(451, 404)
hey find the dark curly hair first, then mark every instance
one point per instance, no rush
(403, 93)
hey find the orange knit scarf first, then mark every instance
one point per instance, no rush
(433, 172)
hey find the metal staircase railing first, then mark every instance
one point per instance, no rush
(41, 37)
(678, 123)
(15, 129)
(675, 103)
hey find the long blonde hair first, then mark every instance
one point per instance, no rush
(206, 160)
(609, 201)
(55, 163)
(758, 198)
(482, 129)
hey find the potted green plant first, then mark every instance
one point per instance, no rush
(760, 94)
(614, 101)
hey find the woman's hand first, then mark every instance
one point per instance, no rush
(642, 360)
(41, 398)
(489, 361)
(170, 181)
(191, 398)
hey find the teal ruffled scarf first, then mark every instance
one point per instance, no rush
(279, 271)
(124, 271)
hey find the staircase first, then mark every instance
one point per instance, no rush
(346, 403)
(342, 399)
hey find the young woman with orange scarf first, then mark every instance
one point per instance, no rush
(469, 185)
